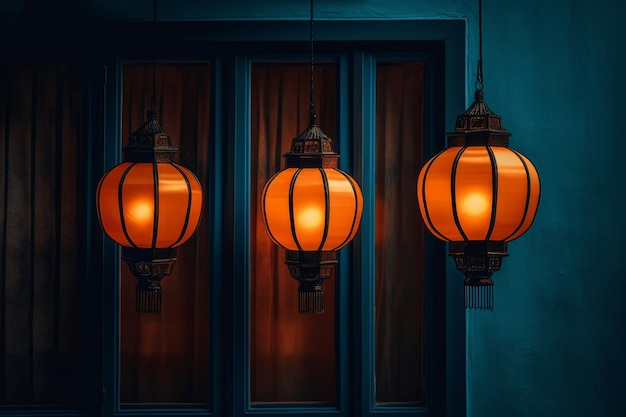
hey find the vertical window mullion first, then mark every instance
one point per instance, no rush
(111, 251)
(345, 275)
(364, 164)
(239, 171)
(92, 166)
(214, 202)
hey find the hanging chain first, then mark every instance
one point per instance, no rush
(312, 115)
(154, 83)
(479, 72)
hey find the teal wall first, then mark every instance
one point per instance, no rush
(555, 70)
(555, 344)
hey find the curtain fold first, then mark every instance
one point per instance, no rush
(399, 234)
(165, 358)
(41, 355)
(292, 356)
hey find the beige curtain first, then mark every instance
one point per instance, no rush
(165, 358)
(399, 234)
(41, 355)
(292, 355)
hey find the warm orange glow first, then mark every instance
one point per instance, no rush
(310, 218)
(178, 204)
(471, 189)
(141, 212)
(475, 204)
(306, 209)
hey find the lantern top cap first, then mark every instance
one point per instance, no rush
(314, 141)
(150, 143)
(151, 127)
(312, 148)
(478, 125)
(478, 108)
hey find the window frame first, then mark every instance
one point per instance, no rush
(230, 46)
(228, 197)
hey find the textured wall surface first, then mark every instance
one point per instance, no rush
(555, 344)
(555, 71)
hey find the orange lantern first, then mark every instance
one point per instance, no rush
(312, 209)
(149, 205)
(478, 194)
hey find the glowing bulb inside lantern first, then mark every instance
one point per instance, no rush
(475, 204)
(310, 218)
(141, 212)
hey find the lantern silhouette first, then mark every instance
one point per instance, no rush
(149, 205)
(478, 194)
(312, 209)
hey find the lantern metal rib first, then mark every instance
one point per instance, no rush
(155, 221)
(326, 208)
(422, 198)
(121, 204)
(183, 229)
(494, 192)
(264, 204)
(527, 201)
(455, 212)
(291, 211)
(355, 218)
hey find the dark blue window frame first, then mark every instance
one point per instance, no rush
(231, 47)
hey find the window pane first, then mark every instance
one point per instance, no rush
(292, 355)
(399, 234)
(164, 358)
(41, 355)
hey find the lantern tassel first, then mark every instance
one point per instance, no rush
(311, 299)
(479, 296)
(148, 299)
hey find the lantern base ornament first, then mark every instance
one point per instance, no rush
(149, 266)
(478, 260)
(311, 269)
